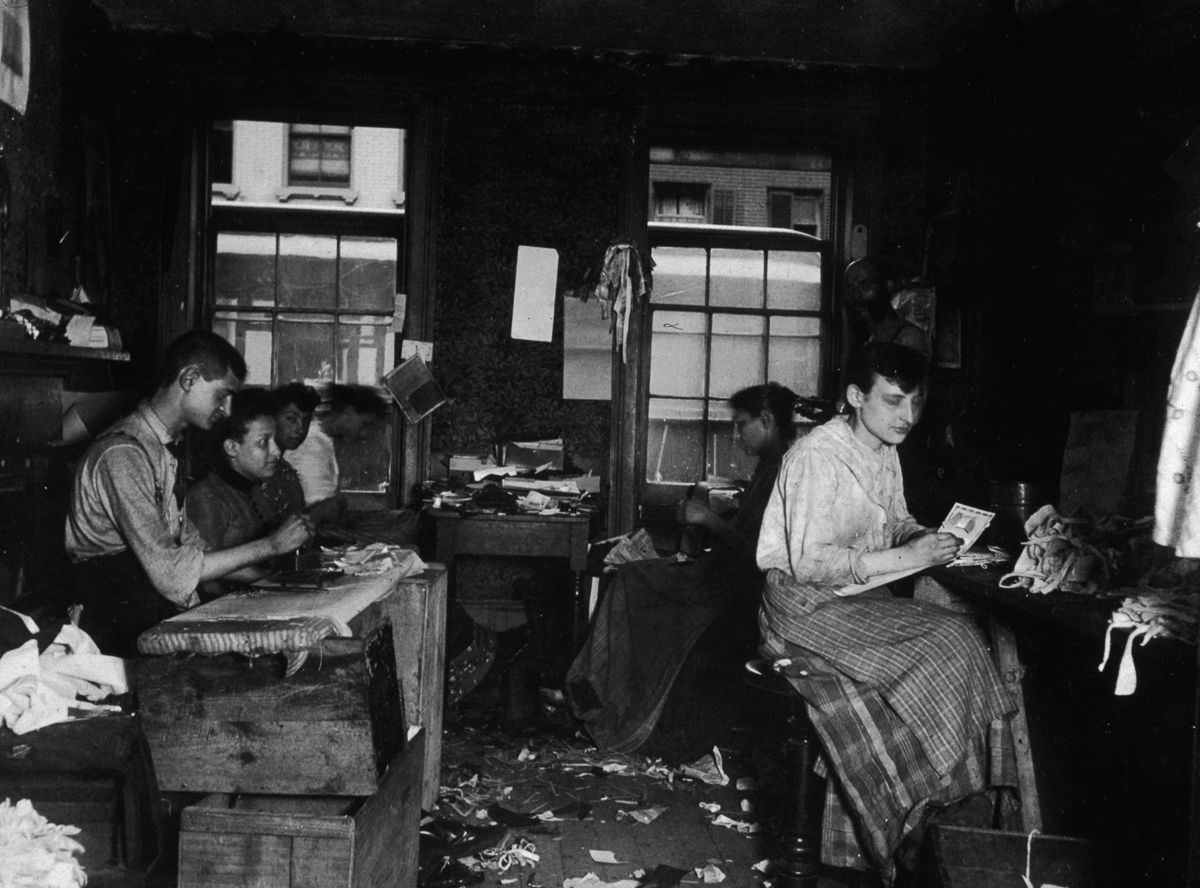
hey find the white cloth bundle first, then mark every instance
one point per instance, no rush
(39, 690)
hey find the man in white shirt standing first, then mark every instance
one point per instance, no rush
(352, 409)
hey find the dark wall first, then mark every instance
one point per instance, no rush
(1075, 249)
(48, 153)
(514, 173)
(529, 148)
(1054, 161)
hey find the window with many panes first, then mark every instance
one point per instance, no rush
(680, 202)
(731, 306)
(308, 293)
(723, 318)
(801, 210)
(319, 155)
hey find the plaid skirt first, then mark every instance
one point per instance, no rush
(906, 700)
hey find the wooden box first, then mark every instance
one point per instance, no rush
(963, 857)
(95, 774)
(416, 609)
(229, 723)
(306, 842)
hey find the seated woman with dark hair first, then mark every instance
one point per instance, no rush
(654, 611)
(227, 507)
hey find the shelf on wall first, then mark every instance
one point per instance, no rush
(33, 349)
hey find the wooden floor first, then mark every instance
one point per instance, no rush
(592, 805)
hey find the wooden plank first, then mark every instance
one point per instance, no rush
(228, 724)
(288, 815)
(231, 687)
(302, 842)
(323, 863)
(416, 609)
(511, 539)
(387, 827)
(1012, 672)
(214, 860)
(304, 758)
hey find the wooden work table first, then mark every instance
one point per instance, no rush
(536, 536)
(1082, 616)
(1116, 769)
(562, 536)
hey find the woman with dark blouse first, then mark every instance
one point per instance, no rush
(653, 612)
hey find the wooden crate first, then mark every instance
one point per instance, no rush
(95, 774)
(306, 842)
(416, 609)
(963, 857)
(234, 724)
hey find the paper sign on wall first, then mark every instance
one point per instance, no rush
(534, 292)
(410, 347)
(14, 55)
(587, 351)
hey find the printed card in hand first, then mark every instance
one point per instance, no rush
(967, 523)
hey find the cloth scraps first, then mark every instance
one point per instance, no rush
(642, 815)
(374, 559)
(744, 827)
(34, 851)
(1054, 556)
(1150, 615)
(591, 880)
(709, 768)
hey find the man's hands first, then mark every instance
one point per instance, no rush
(932, 548)
(690, 511)
(292, 534)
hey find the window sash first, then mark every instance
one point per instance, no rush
(319, 154)
(772, 331)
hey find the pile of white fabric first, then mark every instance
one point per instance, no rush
(1055, 556)
(35, 853)
(374, 559)
(60, 683)
(1161, 613)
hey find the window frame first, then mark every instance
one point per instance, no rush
(322, 137)
(799, 193)
(409, 446)
(655, 496)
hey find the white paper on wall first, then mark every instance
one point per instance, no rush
(534, 293)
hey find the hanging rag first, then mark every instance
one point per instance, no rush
(622, 284)
(1177, 504)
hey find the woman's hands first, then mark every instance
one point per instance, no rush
(932, 547)
(295, 531)
(916, 553)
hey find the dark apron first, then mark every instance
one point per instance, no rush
(119, 602)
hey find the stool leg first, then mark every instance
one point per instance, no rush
(801, 861)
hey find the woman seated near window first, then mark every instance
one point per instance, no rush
(230, 506)
(653, 612)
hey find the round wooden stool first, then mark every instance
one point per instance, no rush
(801, 860)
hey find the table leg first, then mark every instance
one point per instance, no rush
(1012, 672)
